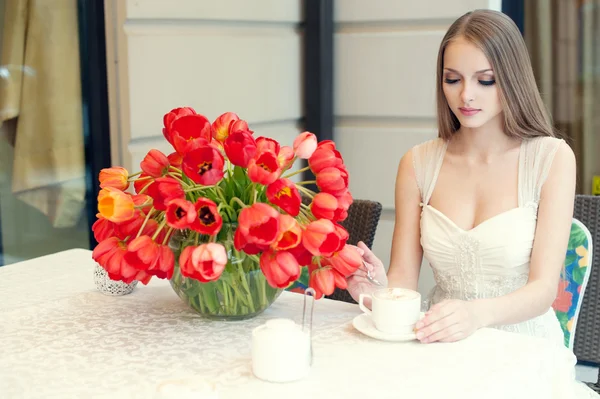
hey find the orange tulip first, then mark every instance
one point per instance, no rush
(280, 268)
(114, 177)
(290, 233)
(115, 205)
(324, 238)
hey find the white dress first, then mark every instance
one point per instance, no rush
(491, 259)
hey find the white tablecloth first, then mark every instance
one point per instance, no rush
(60, 338)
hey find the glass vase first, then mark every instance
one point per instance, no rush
(240, 293)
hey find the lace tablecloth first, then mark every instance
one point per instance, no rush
(60, 338)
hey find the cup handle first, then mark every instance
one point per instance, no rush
(361, 303)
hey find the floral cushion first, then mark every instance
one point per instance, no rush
(301, 284)
(577, 268)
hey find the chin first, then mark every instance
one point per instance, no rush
(472, 123)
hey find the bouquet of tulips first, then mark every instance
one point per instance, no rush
(220, 174)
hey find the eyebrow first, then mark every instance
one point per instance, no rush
(481, 71)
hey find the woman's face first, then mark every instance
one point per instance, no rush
(469, 85)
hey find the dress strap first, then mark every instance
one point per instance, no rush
(427, 162)
(535, 162)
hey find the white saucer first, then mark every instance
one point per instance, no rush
(364, 324)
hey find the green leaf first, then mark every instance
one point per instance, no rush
(579, 274)
(571, 258)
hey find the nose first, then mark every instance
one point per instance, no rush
(467, 94)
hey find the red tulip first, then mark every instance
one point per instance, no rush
(155, 164)
(264, 168)
(115, 205)
(284, 194)
(170, 117)
(290, 233)
(190, 132)
(165, 263)
(163, 190)
(240, 148)
(110, 254)
(285, 157)
(280, 268)
(301, 254)
(322, 280)
(259, 225)
(346, 261)
(323, 237)
(267, 144)
(206, 262)
(333, 180)
(208, 220)
(221, 126)
(324, 205)
(175, 159)
(142, 182)
(142, 253)
(142, 202)
(305, 145)
(324, 157)
(180, 213)
(204, 165)
(104, 229)
(115, 177)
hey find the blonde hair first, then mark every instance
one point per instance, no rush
(525, 115)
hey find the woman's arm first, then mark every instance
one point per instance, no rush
(555, 213)
(407, 253)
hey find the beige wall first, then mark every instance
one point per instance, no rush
(216, 56)
(385, 57)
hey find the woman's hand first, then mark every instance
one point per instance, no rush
(448, 321)
(358, 282)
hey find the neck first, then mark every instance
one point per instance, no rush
(485, 142)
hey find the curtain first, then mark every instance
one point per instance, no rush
(40, 94)
(563, 37)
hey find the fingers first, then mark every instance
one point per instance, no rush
(360, 251)
(441, 330)
(368, 256)
(429, 329)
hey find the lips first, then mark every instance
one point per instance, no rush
(468, 111)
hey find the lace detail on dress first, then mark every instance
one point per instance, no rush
(455, 286)
(467, 259)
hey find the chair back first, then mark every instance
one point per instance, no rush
(587, 338)
(361, 224)
(573, 281)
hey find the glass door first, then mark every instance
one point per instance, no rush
(46, 199)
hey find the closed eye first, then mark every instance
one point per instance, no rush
(450, 81)
(487, 82)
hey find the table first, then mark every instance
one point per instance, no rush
(60, 338)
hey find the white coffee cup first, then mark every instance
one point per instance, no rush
(394, 310)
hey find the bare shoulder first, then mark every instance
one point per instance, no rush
(563, 168)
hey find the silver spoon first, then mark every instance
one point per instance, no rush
(369, 276)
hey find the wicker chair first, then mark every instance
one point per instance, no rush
(587, 335)
(361, 223)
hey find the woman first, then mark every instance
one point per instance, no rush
(489, 203)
